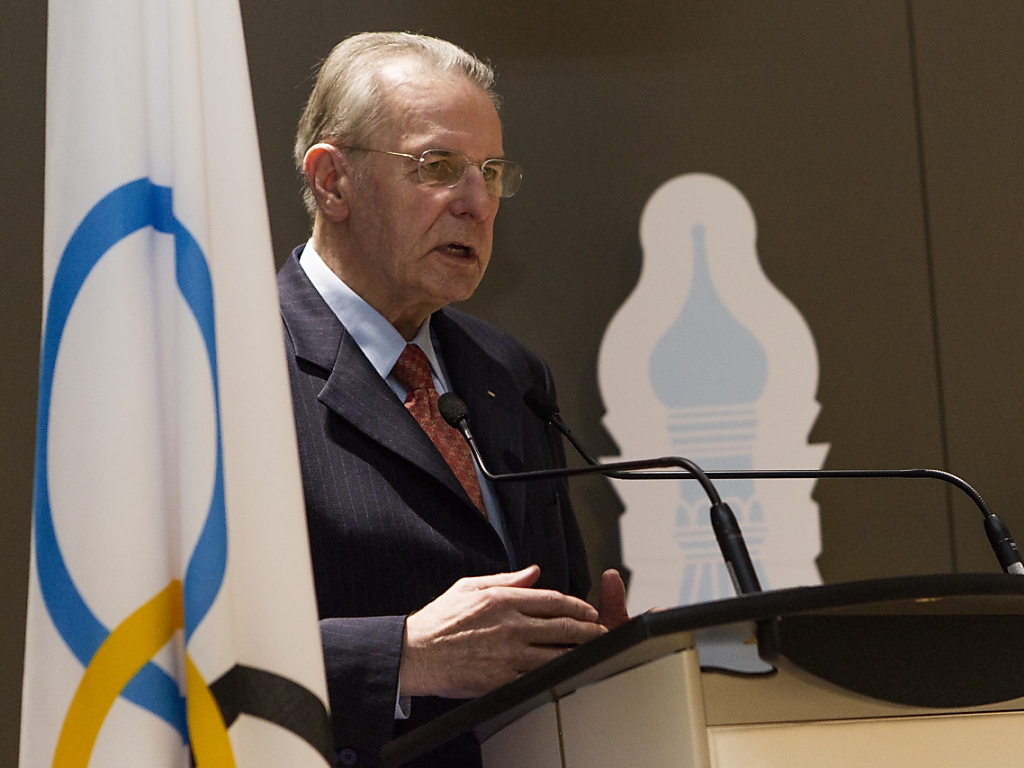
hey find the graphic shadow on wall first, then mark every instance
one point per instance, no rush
(707, 359)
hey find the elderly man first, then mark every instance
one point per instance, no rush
(432, 583)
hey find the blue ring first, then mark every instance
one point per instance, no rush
(121, 213)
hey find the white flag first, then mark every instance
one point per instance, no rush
(171, 606)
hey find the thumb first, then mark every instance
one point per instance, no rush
(612, 607)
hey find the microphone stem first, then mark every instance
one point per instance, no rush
(562, 427)
(782, 474)
(999, 537)
(723, 520)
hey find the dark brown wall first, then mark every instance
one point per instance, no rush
(971, 83)
(22, 64)
(878, 142)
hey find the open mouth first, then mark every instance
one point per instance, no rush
(457, 250)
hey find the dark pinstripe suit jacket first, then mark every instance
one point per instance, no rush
(390, 527)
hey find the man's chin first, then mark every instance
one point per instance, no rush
(453, 291)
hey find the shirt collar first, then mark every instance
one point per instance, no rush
(377, 338)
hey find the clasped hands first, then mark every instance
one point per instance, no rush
(486, 631)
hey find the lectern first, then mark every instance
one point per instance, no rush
(917, 671)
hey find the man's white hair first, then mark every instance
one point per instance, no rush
(348, 104)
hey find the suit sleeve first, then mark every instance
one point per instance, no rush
(361, 656)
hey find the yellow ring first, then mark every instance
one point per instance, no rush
(120, 657)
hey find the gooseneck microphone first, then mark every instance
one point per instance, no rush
(546, 409)
(727, 530)
(1002, 543)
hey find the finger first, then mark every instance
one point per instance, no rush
(547, 603)
(524, 578)
(612, 606)
(560, 631)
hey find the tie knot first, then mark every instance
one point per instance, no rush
(413, 369)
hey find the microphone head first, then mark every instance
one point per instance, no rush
(541, 403)
(452, 409)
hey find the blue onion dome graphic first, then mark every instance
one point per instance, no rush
(707, 358)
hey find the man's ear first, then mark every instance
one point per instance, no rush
(327, 173)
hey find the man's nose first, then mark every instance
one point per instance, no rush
(471, 195)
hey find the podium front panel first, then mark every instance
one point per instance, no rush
(652, 715)
(533, 740)
(936, 741)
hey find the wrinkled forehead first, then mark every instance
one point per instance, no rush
(419, 100)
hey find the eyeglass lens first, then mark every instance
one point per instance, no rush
(443, 167)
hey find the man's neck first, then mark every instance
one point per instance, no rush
(337, 257)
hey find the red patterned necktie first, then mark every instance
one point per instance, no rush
(413, 372)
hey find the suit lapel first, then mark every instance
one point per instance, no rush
(354, 390)
(495, 407)
(357, 393)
